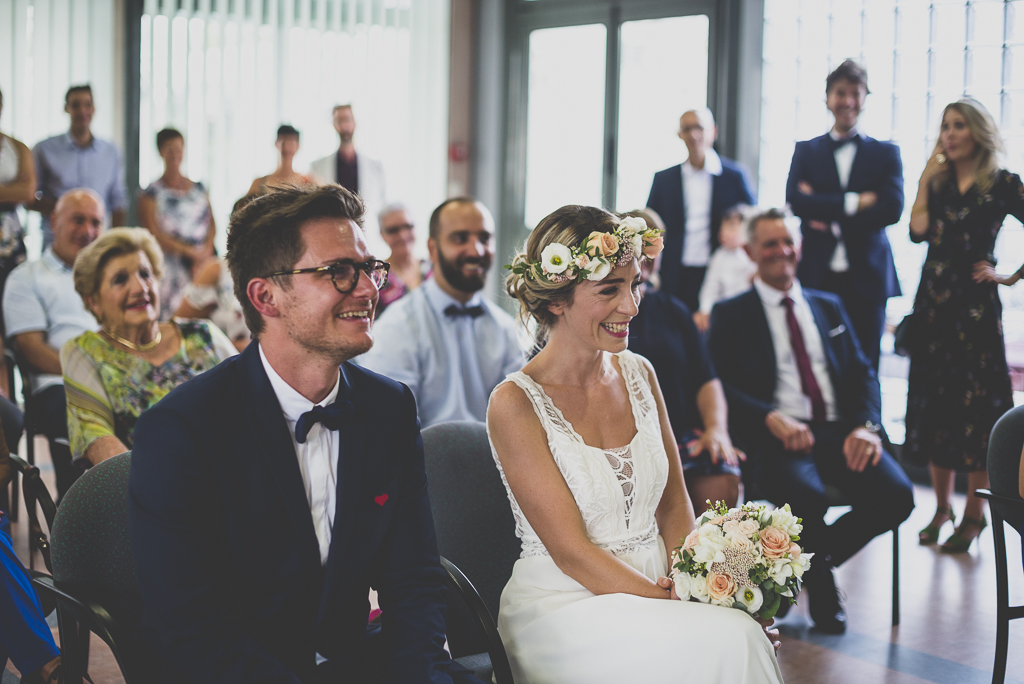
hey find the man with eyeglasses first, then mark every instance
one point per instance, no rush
(447, 343)
(268, 495)
(691, 199)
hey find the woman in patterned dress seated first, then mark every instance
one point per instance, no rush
(585, 448)
(113, 375)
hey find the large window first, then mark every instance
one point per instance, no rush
(920, 55)
(228, 73)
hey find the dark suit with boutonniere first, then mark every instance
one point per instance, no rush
(227, 556)
(743, 349)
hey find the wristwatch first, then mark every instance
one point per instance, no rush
(872, 427)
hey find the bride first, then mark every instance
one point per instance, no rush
(585, 449)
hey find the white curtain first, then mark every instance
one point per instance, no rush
(45, 47)
(227, 73)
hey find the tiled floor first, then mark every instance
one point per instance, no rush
(947, 633)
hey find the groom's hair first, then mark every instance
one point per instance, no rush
(264, 235)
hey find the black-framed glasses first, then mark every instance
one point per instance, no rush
(345, 274)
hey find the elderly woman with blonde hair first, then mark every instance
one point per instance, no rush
(113, 375)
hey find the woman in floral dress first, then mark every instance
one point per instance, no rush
(959, 381)
(113, 375)
(177, 212)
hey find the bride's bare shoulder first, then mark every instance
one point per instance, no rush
(509, 402)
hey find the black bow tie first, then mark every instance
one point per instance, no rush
(836, 144)
(332, 417)
(454, 311)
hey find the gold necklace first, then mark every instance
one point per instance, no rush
(136, 347)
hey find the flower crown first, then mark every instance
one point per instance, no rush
(595, 257)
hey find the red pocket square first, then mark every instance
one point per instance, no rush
(382, 499)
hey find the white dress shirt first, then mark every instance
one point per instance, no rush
(789, 394)
(318, 455)
(844, 156)
(697, 202)
(451, 364)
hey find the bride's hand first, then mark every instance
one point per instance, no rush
(772, 634)
(667, 583)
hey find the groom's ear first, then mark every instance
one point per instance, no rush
(262, 294)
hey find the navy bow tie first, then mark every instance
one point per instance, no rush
(332, 417)
(836, 144)
(455, 311)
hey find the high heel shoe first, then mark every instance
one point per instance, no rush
(958, 543)
(930, 534)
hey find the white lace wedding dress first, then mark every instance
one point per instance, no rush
(556, 631)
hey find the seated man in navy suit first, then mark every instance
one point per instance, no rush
(804, 404)
(268, 495)
(847, 187)
(691, 198)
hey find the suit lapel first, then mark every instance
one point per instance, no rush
(822, 322)
(716, 224)
(828, 164)
(860, 160)
(268, 423)
(352, 451)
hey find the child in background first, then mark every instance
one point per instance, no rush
(730, 270)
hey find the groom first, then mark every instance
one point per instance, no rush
(267, 496)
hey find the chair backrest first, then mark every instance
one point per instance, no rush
(37, 498)
(472, 514)
(1004, 448)
(90, 547)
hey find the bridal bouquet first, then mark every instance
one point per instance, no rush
(744, 558)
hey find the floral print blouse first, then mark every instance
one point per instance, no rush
(109, 388)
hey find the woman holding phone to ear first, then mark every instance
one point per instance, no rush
(959, 380)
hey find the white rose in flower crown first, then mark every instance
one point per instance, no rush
(682, 582)
(751, 598)
(637, 243)
(699, 588)
(634, 224)
(555, 258)
(601, 271)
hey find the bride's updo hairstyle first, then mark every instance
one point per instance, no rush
(569, 225)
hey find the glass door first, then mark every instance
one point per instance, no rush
(596, 92)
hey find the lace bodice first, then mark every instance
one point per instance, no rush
(616, 490)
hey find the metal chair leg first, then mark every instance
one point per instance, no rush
(895, 576)
(1002, 599)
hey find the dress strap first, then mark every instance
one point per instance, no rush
(551, 419)
(638, 384)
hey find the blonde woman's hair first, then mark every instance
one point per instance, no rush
(988, 143)
(569, 226)
(90, 262)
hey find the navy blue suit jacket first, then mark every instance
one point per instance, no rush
(226, 555)
(727, 190)
(744, 355)
(876, 168)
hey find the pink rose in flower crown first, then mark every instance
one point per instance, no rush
(774, 543)
(720, 586)
(602, 244)
(653, 246)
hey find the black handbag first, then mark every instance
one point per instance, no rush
(907, 337)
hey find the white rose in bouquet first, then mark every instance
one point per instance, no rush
(682, 582)
(699, 588)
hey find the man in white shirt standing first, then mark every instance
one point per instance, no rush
(847, 188)
(804, 404)
(691, 199)
(354, 171)
(444, 340)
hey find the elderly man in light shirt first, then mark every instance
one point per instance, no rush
(42, 311)
(444, 340)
